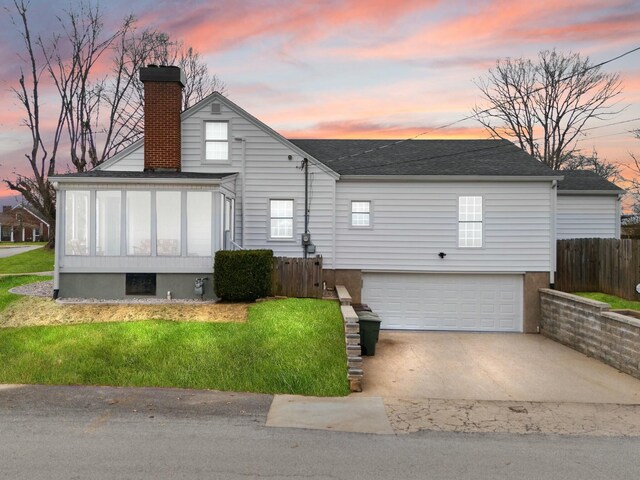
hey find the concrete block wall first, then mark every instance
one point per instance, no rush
(591, 328)
(352, 339)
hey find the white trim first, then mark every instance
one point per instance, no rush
(145, 180)
(590, 192)
(447, 178)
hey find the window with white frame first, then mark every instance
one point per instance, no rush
(199, 222)
(281, 219)
(108, 213)
(168, 223)
(138, 223)
(216, 141)
(360, 213)
(470, 222)
(77, 222)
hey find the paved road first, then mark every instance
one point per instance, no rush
(67, 434)
(10, 251)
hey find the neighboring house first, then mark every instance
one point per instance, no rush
(432, 234)
(588, 206)
(21, 223)
(630, 226)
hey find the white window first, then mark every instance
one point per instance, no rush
(138, 223)
(77, 222)
(360, 214)
(108, 213)
(216, 141)
(168, 223)
(199, 213)
(470, 222)
(281, 219)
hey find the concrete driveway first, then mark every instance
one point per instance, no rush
(472, 366)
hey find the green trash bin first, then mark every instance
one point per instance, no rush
(369, 332)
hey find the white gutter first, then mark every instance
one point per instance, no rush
(243, 183)
(449, 178)
(590, 192)
(143, 180)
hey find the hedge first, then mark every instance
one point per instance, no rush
(242, 275)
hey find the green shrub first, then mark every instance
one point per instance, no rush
(242, 275)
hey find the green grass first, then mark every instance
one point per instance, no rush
(616, 303)
(293, 346)
(38, 260)
(6, 283)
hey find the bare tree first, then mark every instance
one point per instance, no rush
(608, 170)
(97, 116)
(544, 106)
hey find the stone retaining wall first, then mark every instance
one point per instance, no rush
(352, 339)
(591, 328)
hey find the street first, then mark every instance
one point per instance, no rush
(178, 434)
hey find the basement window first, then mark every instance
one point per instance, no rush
(216, 142)
(140, 284)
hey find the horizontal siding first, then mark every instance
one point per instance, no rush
(586, 216)
(413, 222)
(269, 174)
(133, 162)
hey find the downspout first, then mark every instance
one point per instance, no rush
(306, 203)
(553, 235)
(60, 200)
(243, 182)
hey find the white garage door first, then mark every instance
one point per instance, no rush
(418, 301)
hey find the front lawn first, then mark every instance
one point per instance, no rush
(293, 346)
(6, 283)
(616, 303)
(38, 260)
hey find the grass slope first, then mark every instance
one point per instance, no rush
(293, 346)
(6, 283)
(38, 260)
(616, 303)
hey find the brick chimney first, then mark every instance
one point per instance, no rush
(162, 107)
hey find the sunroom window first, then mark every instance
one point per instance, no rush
(77, 222)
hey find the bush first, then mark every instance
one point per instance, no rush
(242, 275)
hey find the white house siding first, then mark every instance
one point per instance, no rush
(587, 216)
(414, 221)
(127, 161)
(269, 174)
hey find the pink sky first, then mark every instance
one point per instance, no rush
(364, 69)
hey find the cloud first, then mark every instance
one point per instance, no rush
(371, 130)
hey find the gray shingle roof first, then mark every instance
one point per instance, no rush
(587, 180)
(168, 175)
(425, 157)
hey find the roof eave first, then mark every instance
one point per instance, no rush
(592, 192)
(138, 180)
(451, 178)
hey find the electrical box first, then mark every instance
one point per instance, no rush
(306, 239)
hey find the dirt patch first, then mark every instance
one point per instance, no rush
(41, 311)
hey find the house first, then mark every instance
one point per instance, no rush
(432, 234)
(588, 206)
(21, 223)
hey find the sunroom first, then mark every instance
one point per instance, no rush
(129, 234)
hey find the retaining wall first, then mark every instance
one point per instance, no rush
(590, 327)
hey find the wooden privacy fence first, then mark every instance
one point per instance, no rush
(605, 265)
(297, 277)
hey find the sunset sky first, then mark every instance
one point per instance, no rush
(362, 69)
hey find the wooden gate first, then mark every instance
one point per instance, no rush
(297, 277)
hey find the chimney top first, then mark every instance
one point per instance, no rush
(163, 73)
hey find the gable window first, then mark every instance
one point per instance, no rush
(216, 141)
(281, 219)
(470, 222)
(360, 213)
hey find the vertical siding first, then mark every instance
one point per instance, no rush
(587, 216)
(414, 221)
